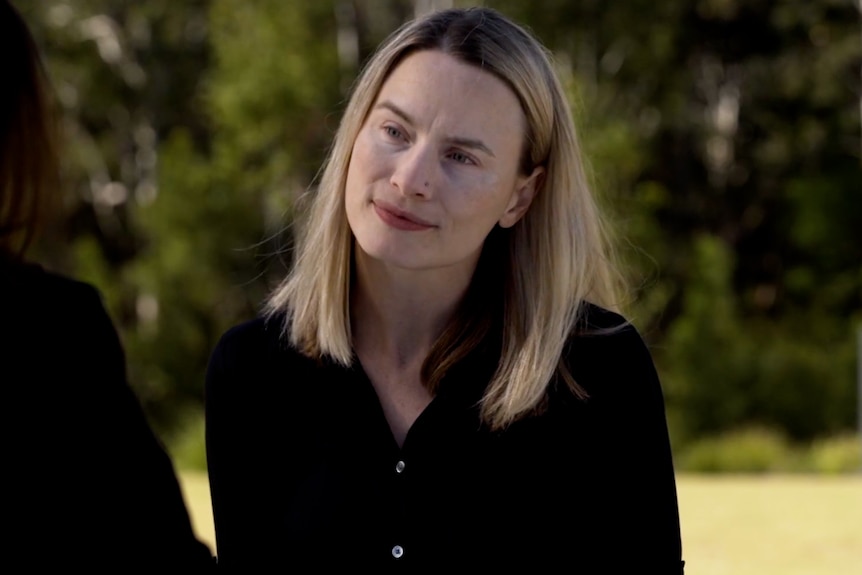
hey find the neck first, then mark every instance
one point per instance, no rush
(397, 314)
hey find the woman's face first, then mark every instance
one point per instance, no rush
(435, 165)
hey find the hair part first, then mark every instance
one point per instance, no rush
(540, 271)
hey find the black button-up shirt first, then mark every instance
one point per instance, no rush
(306, 475)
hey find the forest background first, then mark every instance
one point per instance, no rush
(723, 136)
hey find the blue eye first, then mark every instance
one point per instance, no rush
(461, 158)
(393, 132)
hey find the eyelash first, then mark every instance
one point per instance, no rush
(396, 133)
(465, 159)
(393, 132)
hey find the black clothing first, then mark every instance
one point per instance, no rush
(304, 470)
(87, 483)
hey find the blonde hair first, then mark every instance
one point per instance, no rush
(548, 264)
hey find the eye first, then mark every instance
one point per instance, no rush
(393, 132)
(461, 157)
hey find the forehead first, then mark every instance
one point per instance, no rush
(437, 85)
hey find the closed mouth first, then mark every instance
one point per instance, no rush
(401, 214)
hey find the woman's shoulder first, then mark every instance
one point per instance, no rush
(257, 349)
(602, 331)
(252, 331)
(32, 281)
(49, 306)
(607, 354)
(597, 320)
(256, 338)
(255, 374)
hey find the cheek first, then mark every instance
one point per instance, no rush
(354, 191)
(368, 164)
(357, 169)
(484, 200)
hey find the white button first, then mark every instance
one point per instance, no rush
(397, 551)
(399, 467)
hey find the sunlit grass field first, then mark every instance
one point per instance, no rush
(731, 525)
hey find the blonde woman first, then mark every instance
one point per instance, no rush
(442, 378)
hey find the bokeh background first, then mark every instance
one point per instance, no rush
(722, 135)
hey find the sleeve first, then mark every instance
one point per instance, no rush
(219, 452)
(123, 474)
(231, 459)
(618, 453)
(641, 510)
(253, 426)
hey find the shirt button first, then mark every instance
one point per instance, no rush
(397, 551)
(399, 467)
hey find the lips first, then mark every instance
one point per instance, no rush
(400, 219)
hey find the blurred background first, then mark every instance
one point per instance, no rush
(722, 135)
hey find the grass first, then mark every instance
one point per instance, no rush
(196, 491)
(771, 524)
(739, 525)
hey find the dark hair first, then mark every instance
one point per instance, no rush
(29, 162)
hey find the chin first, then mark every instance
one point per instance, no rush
(397, 259)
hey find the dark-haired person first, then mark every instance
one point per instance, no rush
(86, 483)
(443, 379)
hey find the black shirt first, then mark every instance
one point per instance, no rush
(304, 470)
(87, 484)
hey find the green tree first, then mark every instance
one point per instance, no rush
(722, 135)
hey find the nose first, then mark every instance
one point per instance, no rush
(414, 171)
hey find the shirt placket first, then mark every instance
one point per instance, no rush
(400, 478)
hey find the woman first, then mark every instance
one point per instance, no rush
(86, 482)
(440, 379)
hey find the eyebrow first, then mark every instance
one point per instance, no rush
(470, 143)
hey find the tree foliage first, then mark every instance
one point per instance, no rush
(723, 136)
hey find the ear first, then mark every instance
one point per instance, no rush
(525, 190)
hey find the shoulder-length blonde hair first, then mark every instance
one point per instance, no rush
(540, 271)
